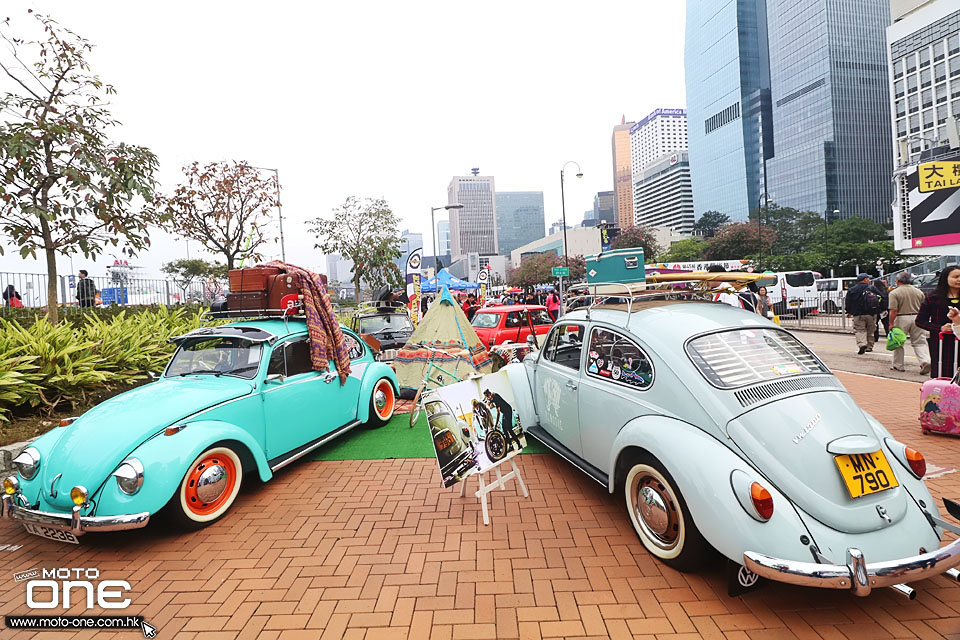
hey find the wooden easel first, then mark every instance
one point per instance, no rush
(501, 480)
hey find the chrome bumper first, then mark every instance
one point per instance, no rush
(72, 522)
(856, 575)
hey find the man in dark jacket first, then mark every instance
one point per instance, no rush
(857, 304)
(86, 290)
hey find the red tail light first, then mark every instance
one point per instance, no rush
(915, 459)
(762, 500)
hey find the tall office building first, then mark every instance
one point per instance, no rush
(660, 133)
(792, 101)
(519, 219)
(443, 237)
(924, 53)
(409, 241)
(829, 81)
(728, 103)
(663, 195)
(622, 181)
(605, 207)
(473, 229)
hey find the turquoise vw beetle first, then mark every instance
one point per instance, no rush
(234, 398)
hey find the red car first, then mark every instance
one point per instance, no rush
(510, 323)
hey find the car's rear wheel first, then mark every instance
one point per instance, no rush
(208, 489)
(660, 516)
(382, 403)
(496, 446)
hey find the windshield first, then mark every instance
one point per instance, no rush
(229, 355)
(743, 356)
(802, 279)
(486, 320)
(385, 323)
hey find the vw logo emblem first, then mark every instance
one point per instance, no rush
(746, 578)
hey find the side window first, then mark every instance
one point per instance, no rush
(276, 361)
(541, 317)
(513, 320)
(565, 345)
(355, 348)
(615, 358)
(298, 357)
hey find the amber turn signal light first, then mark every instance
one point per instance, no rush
(762, 500)
(916, 461)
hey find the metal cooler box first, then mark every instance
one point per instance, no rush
(619, 265)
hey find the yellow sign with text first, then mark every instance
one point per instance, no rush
(935, 176)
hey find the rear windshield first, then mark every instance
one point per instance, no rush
(735, 358)
(486, 320)
(802, 279)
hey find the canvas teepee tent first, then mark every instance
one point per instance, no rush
(445, 337)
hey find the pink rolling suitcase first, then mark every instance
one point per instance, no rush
(940, 398)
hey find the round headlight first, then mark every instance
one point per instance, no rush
(10, 485)
(27, 463)
(129, 476)
(79, 495)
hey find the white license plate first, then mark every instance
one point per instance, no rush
(50, 534)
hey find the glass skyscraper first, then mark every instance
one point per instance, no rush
(519, 219)
(728, 97)
(831, 108)
(789, 100)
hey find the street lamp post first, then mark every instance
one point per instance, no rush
(433, 231)
(276, 174)
(563, 207)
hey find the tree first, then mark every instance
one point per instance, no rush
(796, 231)
(686, 250)
(638, 236)
(738, 240)
(365, 232)
(538, 269)
(709, 223)
(224, 206)
(185, 270)
(66, 188)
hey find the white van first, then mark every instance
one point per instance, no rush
(831, 293)
(794, 290)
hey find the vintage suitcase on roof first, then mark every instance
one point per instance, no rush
(619, 265)
(252, 278)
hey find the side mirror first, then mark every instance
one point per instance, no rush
(532, 341)
(153, 377)
(274, 377)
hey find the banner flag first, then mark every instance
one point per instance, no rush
(414, 263)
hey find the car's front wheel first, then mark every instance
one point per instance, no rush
(382, 403)
(209, 487)
(661, 518)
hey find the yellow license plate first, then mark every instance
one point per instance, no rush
(866, 473)
(794, 304)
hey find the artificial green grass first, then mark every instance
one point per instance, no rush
(393, 440)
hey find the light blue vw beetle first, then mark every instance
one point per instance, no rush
(235, 398)
(724, 431)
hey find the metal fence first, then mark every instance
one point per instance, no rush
(825, 312)
(30, 290)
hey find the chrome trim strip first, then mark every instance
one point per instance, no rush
(603, 483)
(73, 521)
(287, 385)
(869, 575)
(334, 434)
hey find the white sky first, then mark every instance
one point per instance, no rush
(377, 99)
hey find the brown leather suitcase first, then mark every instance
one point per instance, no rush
(246, 303)
(252, 278)
(283, 292)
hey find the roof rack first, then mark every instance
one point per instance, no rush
(673, 286)
(253, 314)
(381, 306)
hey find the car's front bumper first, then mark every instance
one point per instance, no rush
(72, 522)
(857, 575)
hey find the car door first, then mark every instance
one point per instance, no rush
(300, 404)
(557, 383)
(613, 391)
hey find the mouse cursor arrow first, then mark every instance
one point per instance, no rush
(149, 631)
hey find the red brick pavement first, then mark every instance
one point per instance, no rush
(377, 550)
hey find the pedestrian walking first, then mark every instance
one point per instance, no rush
(763, 303)
(903, 306)
(884, 317)
(932, 316)
(863, 304)
(86, 290)
(11, 298)
(553, 305)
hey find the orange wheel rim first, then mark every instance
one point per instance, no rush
(386, 389)
(205, 465)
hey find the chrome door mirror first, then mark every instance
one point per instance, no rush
(274, 377)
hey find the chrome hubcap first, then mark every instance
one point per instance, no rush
(379, 400)
(655, 511)
(212, 483)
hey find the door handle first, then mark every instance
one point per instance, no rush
(329, 377)
(571, 386)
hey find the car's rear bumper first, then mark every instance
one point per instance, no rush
(857, 575)
(73, 522)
